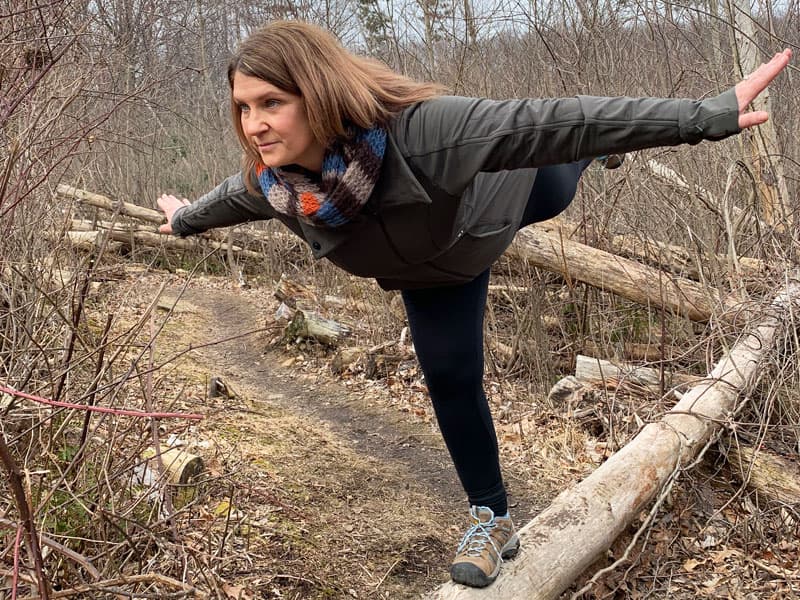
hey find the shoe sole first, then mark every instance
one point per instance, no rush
(470, 575)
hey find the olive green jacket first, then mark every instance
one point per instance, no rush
(456, 176)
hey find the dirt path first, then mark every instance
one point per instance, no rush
(359, 422)
(351, 497)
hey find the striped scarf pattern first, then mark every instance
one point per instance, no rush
(349, 171)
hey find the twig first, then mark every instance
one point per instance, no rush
(385, 575)
(227, 523)
(105, 584)
(98, 370)
(21, 501)
(102, 409)
(15, 576)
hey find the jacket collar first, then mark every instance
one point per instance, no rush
(397, 184)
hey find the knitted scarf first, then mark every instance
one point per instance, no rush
(350, 169)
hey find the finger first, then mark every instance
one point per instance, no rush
(752, 119)
(166, 228)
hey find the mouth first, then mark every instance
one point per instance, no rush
(265, 146)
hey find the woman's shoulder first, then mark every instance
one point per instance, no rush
(443, 118)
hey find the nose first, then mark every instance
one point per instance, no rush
(253, 124)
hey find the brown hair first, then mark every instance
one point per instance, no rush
(337, 86)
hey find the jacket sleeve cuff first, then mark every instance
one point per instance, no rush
(210, 210)
(712, 119)
(180, 226)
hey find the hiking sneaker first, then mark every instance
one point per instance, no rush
(483, 548)
(611, 161)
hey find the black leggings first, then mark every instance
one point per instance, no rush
(447, 329)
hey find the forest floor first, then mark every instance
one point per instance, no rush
(339, 486)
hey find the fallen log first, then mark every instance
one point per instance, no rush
(150, 215)
(136, 234)
(669, 257)
(771, 476)
(123, 208)
(637, 351)
(92, 240)
(308, 324)
(589, 369)
(626, 278)
(582, 522)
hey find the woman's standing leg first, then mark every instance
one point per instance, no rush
(447, 329)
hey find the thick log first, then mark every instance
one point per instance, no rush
(581, 524)
(621, 276)
(669, 257)
(773, 477)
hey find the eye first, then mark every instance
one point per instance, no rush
(272, 103)
(243, 108)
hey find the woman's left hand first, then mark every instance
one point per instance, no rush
(169, 204)
(755, 83)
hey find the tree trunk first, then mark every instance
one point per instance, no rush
(766, 153)
(582, 522)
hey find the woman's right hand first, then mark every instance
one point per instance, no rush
(169, 204)
(751, 86)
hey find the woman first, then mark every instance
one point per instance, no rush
(390, 179)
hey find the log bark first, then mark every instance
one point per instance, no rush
(589, 369)
(621, 276)
(582, 522)
(771, 476)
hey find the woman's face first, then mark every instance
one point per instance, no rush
(276, 124)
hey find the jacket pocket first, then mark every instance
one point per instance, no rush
(477, 249)
(485, 230)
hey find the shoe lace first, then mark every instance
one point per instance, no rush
(475, 539)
